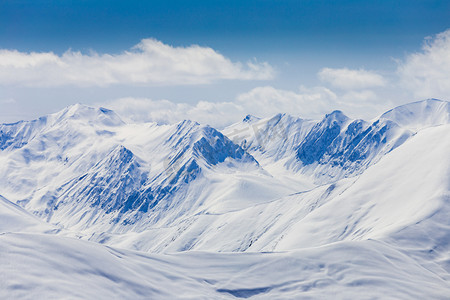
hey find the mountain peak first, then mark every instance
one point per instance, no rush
(80, 111)
(188, 123)
(250, 119)
(337, 116)
(420, 114)
(76, 109)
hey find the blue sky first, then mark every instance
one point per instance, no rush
(297, 39)
(236, 27)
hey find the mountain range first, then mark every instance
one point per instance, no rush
(274, 208)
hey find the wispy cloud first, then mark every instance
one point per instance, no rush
(427, 73)
(151, 62)
(351, 79)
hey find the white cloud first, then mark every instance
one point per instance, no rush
(351, 79)
(359, 96)
(218, 114)
(149, 62)
(261, 101)
(267, 101)
(427, 73)
(357, 92)
(313, 102)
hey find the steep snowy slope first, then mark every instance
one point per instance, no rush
(337, 147)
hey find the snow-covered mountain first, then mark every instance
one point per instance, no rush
(357, 208)
(421, 114)
(84, 168)
(336, 146)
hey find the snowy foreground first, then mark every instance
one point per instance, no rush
(280, 208)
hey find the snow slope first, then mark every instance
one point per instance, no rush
(14, 218)
(408, 186)
(52, 267)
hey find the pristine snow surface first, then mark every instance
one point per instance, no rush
(276, 208)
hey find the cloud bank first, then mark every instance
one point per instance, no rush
(261, 101)
(351, 79)
(151, 62)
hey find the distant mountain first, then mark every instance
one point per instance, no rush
(274, 137)
(334, 147)
(17, 135)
